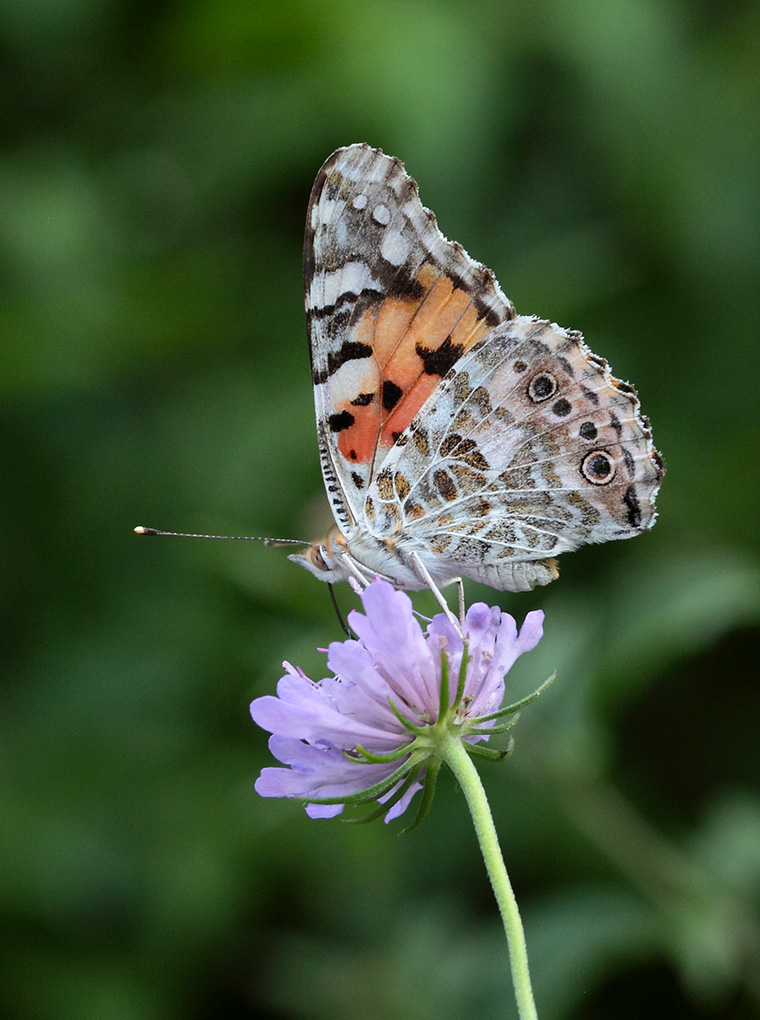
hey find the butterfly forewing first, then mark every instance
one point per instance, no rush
(391, 305)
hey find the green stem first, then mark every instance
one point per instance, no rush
(460, 763)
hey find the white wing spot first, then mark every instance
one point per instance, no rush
(352, 278)
(359, 202)
(381, 214)
(395, 248)
(323, 212)
(353, 377)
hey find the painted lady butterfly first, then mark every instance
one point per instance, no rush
(456, 437)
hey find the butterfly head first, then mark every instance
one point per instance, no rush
(325, 558)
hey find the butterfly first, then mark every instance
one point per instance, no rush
(456, 438)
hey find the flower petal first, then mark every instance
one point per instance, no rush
(482, 627)
(367, 690)
(324, 810)
(397, 809)
(316, 772)
(508, 647)
(393, 636)
(307, 711)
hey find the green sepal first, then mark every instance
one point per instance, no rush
(487, 731)
(489, 753)
(511, 709)
(462, 678)
(407, 723)
(383, 808)
(428, 792)
(369, 757)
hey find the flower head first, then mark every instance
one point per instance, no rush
(378, 729)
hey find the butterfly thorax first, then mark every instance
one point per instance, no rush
(365, 556)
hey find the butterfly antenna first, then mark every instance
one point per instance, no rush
(272, 542)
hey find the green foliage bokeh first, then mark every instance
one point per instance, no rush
(603, 159)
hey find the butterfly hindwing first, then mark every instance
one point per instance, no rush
(530, 448)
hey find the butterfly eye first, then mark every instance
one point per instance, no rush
(598, 467)
(542, 386)
(320, 557)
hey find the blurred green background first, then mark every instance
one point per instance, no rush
(602, 157)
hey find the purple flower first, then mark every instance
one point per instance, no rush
(377, 730)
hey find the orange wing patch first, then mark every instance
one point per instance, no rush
(415, 341)
(442, 325)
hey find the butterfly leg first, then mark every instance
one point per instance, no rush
(424, 575)
(460, 599)
(355, 574)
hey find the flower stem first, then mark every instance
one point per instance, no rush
(460, 763)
